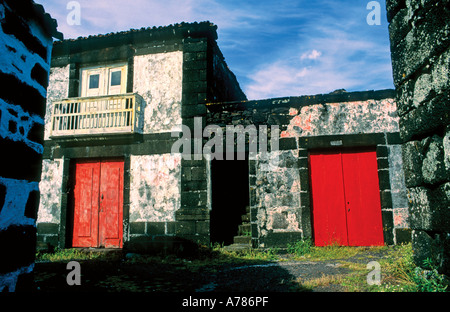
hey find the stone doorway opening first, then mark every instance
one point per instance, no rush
(229, 198)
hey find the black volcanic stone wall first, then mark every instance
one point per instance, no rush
(24, 79)
(420, 41)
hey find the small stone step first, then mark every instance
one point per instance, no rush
(245, 217)
(237, 247)
(242, 239)
(245, 229)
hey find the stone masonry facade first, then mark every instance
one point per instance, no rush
(280, 196)
(420, 48)
(176, 70)
(168, 199)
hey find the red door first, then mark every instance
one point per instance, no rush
(98, 209)
(346, 198)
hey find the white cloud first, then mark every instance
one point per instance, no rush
(286, 79)
(336, 52)
(105, 16)
(275, 48)
(314, 54)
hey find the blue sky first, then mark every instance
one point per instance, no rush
(275, 48)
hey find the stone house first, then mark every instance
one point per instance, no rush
(120, 171)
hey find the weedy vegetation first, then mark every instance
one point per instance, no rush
(399, 273)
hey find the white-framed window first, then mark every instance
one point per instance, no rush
(103, 80)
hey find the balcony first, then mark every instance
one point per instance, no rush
(109, 114)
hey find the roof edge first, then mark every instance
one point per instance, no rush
(299, 101)
(30, 10)
(172, 31)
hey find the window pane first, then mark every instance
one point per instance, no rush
(94, 81)
(116, 78)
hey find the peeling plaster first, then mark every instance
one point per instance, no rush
(343, 118)
(398, 187)
(277, 192)
(58, 88)
(155, 187)
(51, 191)
(158, 79)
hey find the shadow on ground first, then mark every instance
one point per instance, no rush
(117, 272)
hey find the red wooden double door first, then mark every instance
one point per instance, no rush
(346, 198)
(98, 207)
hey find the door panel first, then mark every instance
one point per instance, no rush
(111, 198)
(328, 199)
(362, 199)
(85, 230)
(346, 198)
(98, 207)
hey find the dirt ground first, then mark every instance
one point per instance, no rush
(133, 273)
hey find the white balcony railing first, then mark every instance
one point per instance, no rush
(96, 115)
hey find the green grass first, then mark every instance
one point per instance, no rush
(401, 274)
(398, 271)
(305, 250)
(60, 255)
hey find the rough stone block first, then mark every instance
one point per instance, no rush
(428, 38)
(47, 228)
(185, 228)
(392, 7)
(156, 228)
(388, 226)
(412, 163)
(434, 246)
(403, 236)
(446, 145)
(427, 118)
(429, 209)
(203, 227)
(193, 199)
(433, 166)
(399, 26)
(195, 45)
(433, 81)
(136, 228)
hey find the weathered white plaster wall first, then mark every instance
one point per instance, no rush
(158, 79)
(155, 190)
(51, 191)
(58, 89)
(370, 116)
(278, 192)
(398, 187)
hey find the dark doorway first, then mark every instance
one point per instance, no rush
(230, 196)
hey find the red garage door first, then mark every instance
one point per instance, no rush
(346, 198)
(98, 209)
